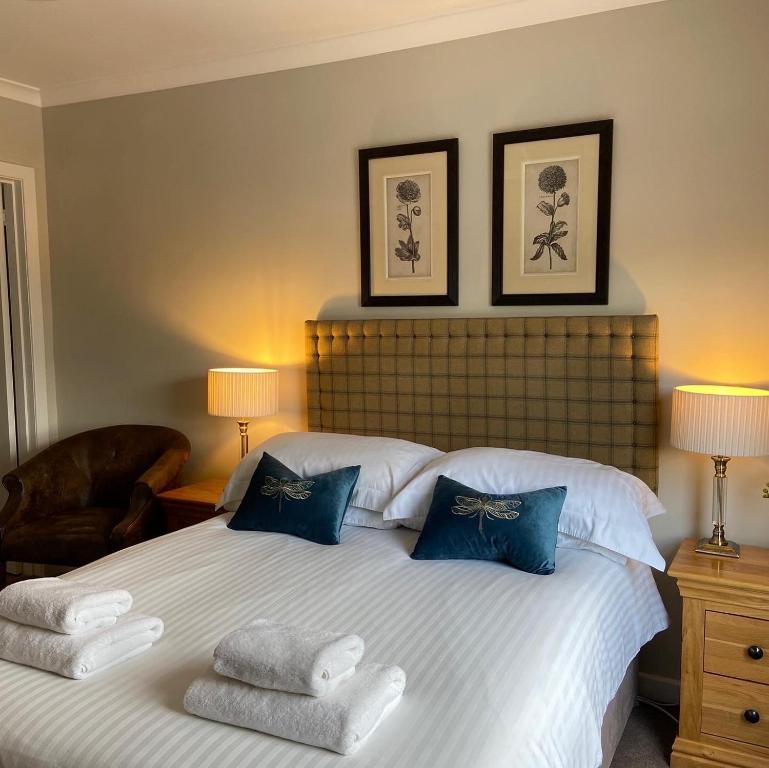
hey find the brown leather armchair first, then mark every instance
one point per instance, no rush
(88, 495)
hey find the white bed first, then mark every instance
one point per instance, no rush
(504, 668)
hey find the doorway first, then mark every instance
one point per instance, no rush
(9, 440)
(25, 418)
(25, 425)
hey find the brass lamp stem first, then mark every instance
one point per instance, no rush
(717, 544)
(719, 538)
(243, 424)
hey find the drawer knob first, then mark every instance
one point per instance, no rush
(751, 716)
(756, 652)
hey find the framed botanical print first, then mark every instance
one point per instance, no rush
(551, 200)
(408, 224)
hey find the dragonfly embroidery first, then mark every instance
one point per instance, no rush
(485, 506)
(280, 489)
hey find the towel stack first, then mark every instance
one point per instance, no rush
(297, 683)
(70, 628)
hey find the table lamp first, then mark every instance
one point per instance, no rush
(723, 422)
(242, 394)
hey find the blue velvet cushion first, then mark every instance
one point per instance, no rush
(281, 501)
(520, 529)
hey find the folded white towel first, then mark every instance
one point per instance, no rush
(286, 658)
(78, 656)
(340, 721)
(63, 605)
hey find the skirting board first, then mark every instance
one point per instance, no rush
(665, 690)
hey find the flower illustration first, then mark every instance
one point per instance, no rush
(545, 207)
(484, 506)
(408, 192)
(552, 179)
(298, 489)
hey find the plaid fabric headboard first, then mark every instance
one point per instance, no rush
(575, 386)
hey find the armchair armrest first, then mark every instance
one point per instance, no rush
(43, 485)
(161, 476)
(13, 505)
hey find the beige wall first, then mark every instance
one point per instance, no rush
(200, 226)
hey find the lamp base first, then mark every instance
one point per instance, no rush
(727, 549)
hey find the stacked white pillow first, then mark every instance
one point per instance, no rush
(604, 507)
(368, 518)
(606, 510)
(386, 465)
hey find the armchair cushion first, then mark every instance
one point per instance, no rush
(74, 537)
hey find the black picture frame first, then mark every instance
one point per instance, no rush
(605, 131)
(451, 297)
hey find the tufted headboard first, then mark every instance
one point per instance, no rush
(576, 386)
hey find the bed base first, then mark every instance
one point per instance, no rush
(617, 713)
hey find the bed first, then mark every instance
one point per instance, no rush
(504, 668)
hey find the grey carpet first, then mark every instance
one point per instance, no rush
(647, 740)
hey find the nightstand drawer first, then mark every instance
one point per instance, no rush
(180, 516)
(737, 646)
(729, 705)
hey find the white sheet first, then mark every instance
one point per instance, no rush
(504, 668)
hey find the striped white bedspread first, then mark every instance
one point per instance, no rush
(504, 668)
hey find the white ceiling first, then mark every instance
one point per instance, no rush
(75, 50)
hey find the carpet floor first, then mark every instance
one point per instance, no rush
(647, 740)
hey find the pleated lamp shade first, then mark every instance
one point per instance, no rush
(242, 393)
(721, 421)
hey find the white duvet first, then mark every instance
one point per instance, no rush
(504, 668)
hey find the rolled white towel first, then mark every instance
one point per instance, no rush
(63, 605)
(78, 656)
(341, 721)
(288, 658)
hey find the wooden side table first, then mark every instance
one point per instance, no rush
(724, 659)
(191, 504)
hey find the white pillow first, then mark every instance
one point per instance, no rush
(386, 464)
(367, 518)
(569, 542)
(604, 506)
(564, 540)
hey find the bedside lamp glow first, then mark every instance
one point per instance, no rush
(242, 394)
(722, 422)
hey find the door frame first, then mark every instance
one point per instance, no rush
(34, 371)
(7, 398)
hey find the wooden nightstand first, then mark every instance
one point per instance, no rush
(191, 504)
(724, 659)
